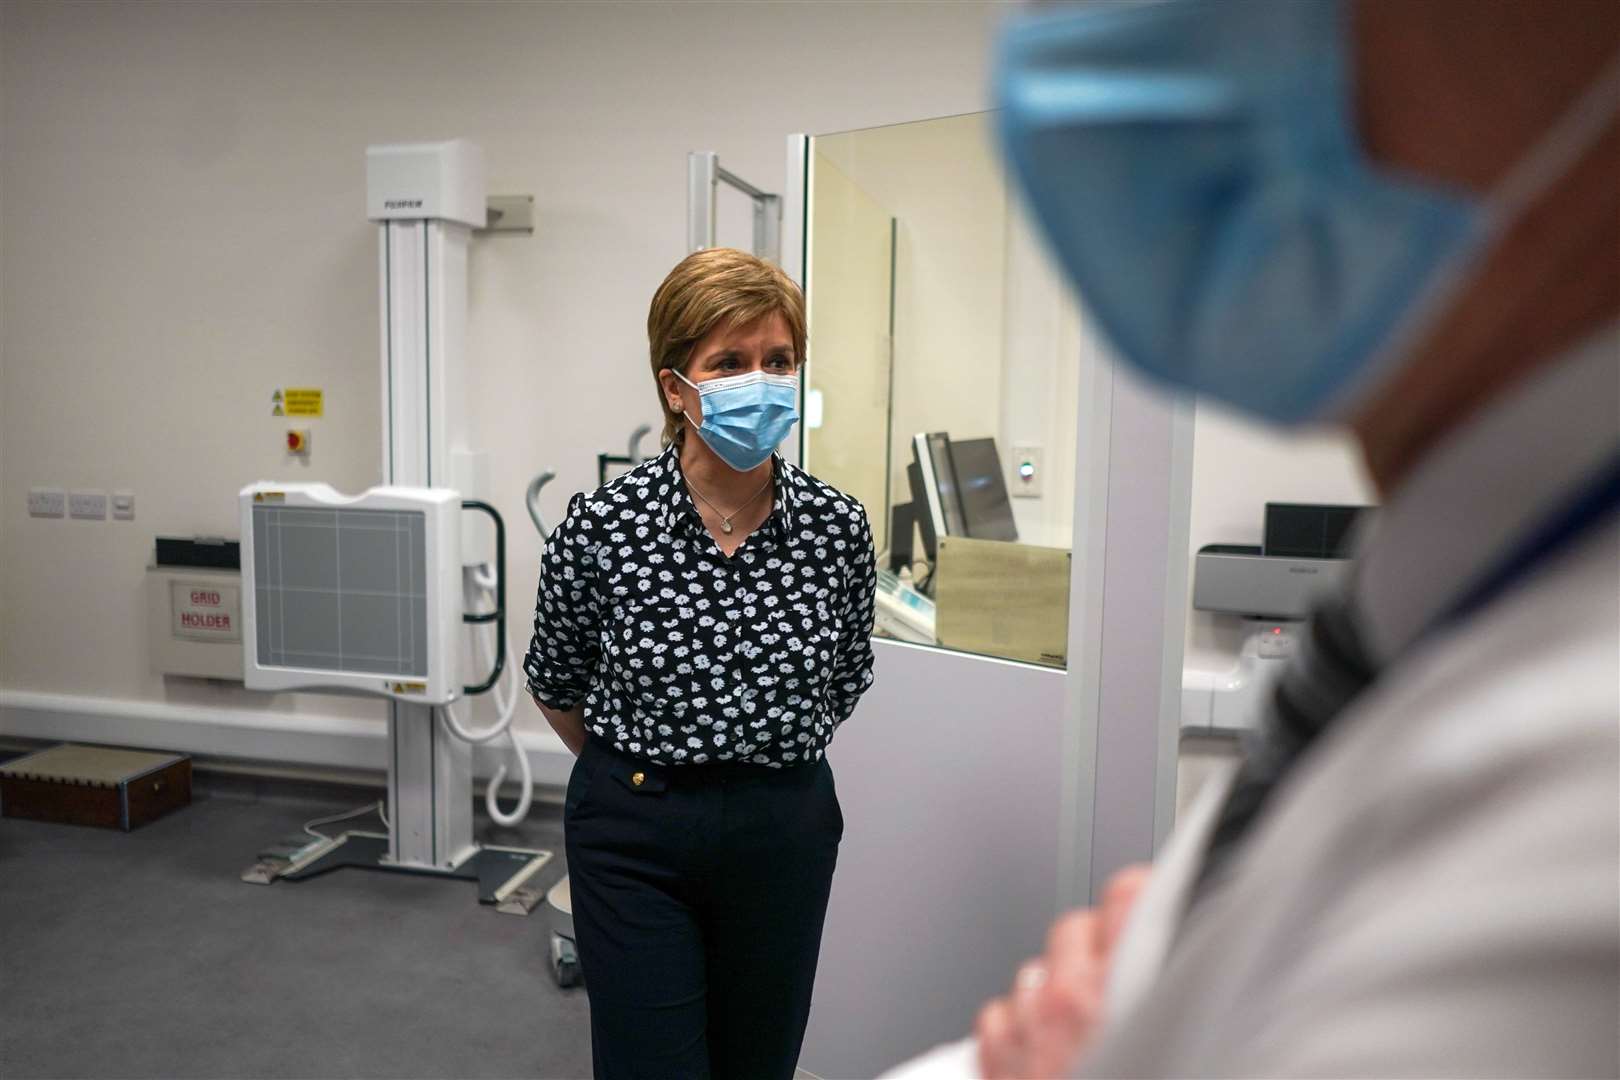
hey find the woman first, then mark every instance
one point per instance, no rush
(703, 626)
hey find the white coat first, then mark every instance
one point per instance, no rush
(1438, 891)
(1435, 890)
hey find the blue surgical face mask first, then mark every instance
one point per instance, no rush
(746, 416)
(1196, 169)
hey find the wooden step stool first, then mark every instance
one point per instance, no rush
(95, 785)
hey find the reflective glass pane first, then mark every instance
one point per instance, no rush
(942, 385)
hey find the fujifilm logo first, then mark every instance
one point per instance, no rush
(402, 204)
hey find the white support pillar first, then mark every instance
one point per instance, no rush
(424, 295)
(422, 253)
(1127, 616)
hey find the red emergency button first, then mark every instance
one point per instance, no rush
(297, 442)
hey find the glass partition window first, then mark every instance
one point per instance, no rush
(942, 384)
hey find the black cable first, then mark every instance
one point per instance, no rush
(498, 616)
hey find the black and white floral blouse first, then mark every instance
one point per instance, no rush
(682, 655)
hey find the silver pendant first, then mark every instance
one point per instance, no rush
(725, 526)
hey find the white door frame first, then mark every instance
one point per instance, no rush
(1127, 623)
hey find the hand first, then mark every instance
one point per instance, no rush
(569, 726)
(1048, 1020)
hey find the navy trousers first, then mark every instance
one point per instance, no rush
(699, 893)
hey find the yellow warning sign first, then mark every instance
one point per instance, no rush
(302, 401)
(277, 411)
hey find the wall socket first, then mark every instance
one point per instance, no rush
(47, 502)
(87, 505)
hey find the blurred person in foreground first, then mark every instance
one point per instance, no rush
(1404, 218)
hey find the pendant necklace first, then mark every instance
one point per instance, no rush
(725, 518)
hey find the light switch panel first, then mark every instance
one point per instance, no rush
(87, 505)
(47, 502)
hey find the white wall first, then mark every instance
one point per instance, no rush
(950, 880)
(184, 232)
(1041, 350)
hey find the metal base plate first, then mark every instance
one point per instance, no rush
(504, 875)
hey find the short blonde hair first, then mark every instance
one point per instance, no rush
(708, 289)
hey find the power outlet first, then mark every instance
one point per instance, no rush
(1028, 470)
(87, 505)
(47, 502)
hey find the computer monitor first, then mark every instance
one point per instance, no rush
(901, 521)
(982, 489)
(1310, 531)
(934, 486)
(920, 514)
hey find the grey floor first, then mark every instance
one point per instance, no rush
(143, 955)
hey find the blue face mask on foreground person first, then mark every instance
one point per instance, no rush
(1197, 170)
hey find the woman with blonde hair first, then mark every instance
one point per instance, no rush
(703, 626)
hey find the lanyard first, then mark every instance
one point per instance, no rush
(1590, 506)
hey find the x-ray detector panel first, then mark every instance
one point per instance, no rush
(360, 593)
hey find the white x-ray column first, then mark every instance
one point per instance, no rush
(427, 198)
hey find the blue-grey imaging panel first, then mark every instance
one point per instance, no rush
(341, 590)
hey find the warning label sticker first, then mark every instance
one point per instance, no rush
(297, 401)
